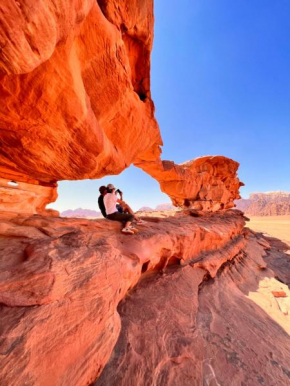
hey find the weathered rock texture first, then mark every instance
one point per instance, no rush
(180, 329)
(266, 204)
(61, 282)
(207, 183)
(27, 198)
(75, 100)
(75, 88)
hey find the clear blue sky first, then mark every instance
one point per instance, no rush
(220, 80)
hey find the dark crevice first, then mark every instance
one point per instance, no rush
(123, 28)
(208, 280)
(145, 266)
(102, 4)
(142, 97)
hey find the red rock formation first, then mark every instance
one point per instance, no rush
(27, 198)
(179, 329)
(75, 92)
(75, 88)
(61, 282)
(206, 183)
(266, 204)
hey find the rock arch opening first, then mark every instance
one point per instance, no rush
(80, 198)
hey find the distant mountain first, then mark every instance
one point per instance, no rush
(159, 208)
(80, 213)
(165, 207)
(145, 209)
(265, 204)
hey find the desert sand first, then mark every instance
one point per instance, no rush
(275, 226)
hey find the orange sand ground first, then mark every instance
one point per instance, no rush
(276, 226)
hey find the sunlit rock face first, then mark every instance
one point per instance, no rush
(75, 100)
(207, 183)
(75, 93)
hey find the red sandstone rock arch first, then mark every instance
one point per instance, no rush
(75, 90)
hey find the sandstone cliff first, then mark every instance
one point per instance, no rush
(266, 204)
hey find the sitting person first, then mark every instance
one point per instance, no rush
(103, 192)
(110, 201)
(123, 207)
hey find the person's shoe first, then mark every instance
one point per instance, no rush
(127, 231)
(135, 230)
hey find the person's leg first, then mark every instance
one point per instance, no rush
(127, 218)
(127, 224)
(127, 209)
(122, 217)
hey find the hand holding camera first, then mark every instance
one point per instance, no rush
(120, 193)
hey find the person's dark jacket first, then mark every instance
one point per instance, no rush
(102, 205)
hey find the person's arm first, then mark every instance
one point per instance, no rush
(120, 193)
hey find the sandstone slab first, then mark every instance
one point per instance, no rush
(61, 281)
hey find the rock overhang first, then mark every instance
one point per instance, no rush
(76, 101)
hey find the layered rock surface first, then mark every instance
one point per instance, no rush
(75, 92)
(20, 197)
(180, 329)
(62, 280)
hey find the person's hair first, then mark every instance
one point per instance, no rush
(102, 189)
(109, 190)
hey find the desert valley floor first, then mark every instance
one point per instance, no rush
(275, 226)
